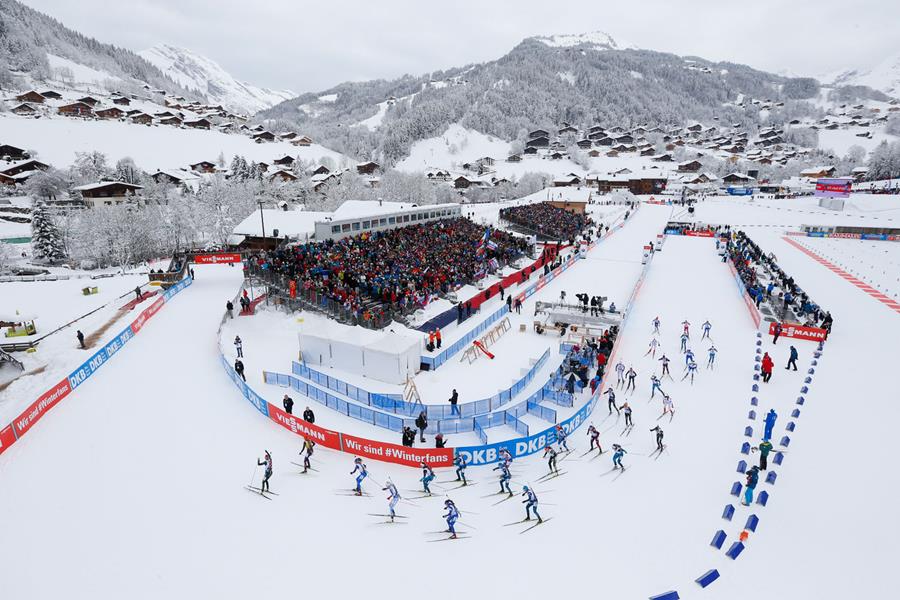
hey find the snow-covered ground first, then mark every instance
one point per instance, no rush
(56, 140)
(133, 485)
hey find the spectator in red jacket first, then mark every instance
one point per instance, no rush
(767, 365)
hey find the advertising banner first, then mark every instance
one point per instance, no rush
(147, 313)
(320, 435)
(7, 438)
(739, 191)
(834, 187)
(813, 334)
(698, 233)
(39, 408)
(394, 453)
(217, 259)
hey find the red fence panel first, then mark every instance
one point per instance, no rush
(39, 407)
(320, 435)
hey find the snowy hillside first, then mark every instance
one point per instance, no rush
(200, 73)
(884, 76)
(152, 147)
(599, 40)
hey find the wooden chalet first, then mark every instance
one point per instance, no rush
(691, 166)
(113, 112)
(76, 109)
(200, 123)
(10, 152)
(263, 136)
(282, 175)
(173, 121)
(302, 141)
(106, 192)
(31, 96)
(141, 118)
(89, 100)
(514, 158)
(538, 142)
(321, 170)
(367, 168)
(121, 101)
(204, 166)
(284, 161)
(50, 94)
(24, 109)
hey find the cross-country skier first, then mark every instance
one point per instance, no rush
(659, 438)
(665, 366)
(611, 403)
(688, 357)
(618, 453)
(393, 496)
(706, 327)
(505, 457)
(267, 460)
(594, 434)
(690, 370)
(711, 363)
(359, 467)
(630, 374)
(551, 462)
(656, 325)
(561, 436)
(620, 373)
(627, 410)
(687, 327)
(505, 476)
(531, 504)
(684, 340)
(668, 406)
(307, 452)
(452, 516)
(427, 477)
(656, 386)
(460, 462)
(654, 343)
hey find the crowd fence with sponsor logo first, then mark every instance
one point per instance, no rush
(40, 407)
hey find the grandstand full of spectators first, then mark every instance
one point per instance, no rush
(396, 270)
(547, 220)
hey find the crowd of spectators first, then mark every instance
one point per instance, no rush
(781, 291)
(584, 365)
(547, 221)
(399, 269)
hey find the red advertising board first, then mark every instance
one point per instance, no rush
(7, 438)
(813, 334)
(39, 407)
(217, 259)
(320, 435)
(698, 233)
(394, 453)
(146, 314)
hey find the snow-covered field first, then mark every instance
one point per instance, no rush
(133, 486)
(56, 140)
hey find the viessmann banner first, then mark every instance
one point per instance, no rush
(217, 259)
(40, 407)
(800, 332)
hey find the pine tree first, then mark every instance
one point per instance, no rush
(46, 242)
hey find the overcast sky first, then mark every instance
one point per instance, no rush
(310, 46)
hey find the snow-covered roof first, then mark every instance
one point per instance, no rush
(293, 223)
(17, 317)
(102, 184)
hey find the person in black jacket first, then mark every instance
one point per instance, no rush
(308, 415)
(80, 337)
(288, 404)
(454, 399)
(422, 424)
(239, 368)
(229, 307)
(408, 437)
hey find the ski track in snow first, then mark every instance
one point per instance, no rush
(140, 472)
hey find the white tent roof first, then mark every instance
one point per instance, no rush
(293, 223)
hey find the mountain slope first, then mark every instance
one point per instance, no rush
(27, 37)
(544, 81)
(885, 76)
(200, 73)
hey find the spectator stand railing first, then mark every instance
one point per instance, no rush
(388, 410)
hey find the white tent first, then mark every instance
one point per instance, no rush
(383, 356)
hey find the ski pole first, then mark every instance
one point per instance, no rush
(253, 476)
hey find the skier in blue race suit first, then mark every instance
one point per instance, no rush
(531, 504)
(363, 473)
(452, 516)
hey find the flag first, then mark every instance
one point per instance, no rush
(491, 244)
